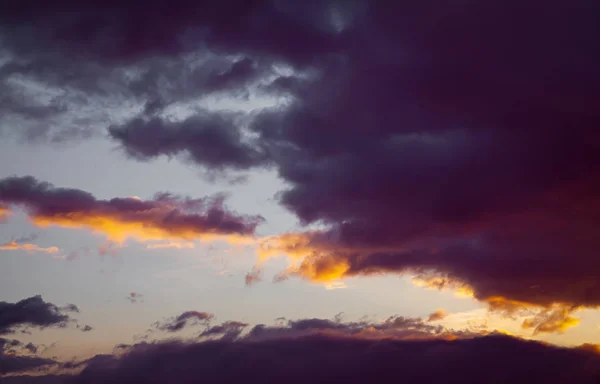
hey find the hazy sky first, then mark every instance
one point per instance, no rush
(424, 171)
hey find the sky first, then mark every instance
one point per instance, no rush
(275, 190)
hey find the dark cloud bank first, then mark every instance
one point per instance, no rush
(325, 358)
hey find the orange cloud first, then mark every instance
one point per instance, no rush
(165, 217)
(145, 226)
(308, 259)
(4, 212)
(171, 244)
(552, 320)
(439, 314)
(317, 257)
(442, 283)
(14, 246)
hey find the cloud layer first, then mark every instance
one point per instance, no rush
(325, 359)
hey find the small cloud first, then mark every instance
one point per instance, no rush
(227, 330)
(253, 277)
(438, 315)
(32, 348)
(70, 308)
(186, 319)
(134, 297)
(172, 244)
(335, 285)
(14, 245)
(108, 248)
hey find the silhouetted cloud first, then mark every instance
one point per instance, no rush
(12, 359)
(226, 330)
(164, 217)
(31, 347)
(33, 311)
(19, 363)
(325, 359)
(212, 140)
(188, 318)
(321, 350)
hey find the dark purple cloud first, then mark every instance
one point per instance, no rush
(17, 363)
(211, 140)
(90, 53)
(33, 311)
(326, 359)
(445, 142)
(164, 217)
(322, 350)
(226, 330)
(15, 356)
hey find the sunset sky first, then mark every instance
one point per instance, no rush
(262, 176)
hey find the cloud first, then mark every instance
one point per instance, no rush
(432, 160)
(226, 330)
(32, 348)
(212, 140)
(254, 276)
(319, 358)
(16, 356)
(13, 245)
(86, 328)
(4, 212)
(143, 70)
(439, 314)
(166, 217)
(553, 320)
(13, 360)
(178, 245)
(316, 350)
(133, 297)
(186, 319)
(18, 363)
(33, 311)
